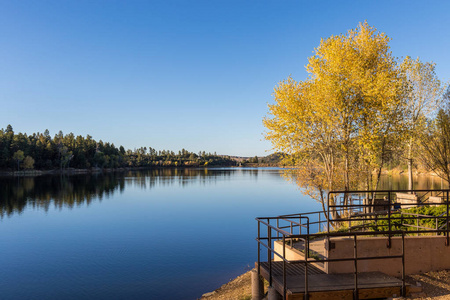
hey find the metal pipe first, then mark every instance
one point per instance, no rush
(328, 212)
(269, 256)
(259, 249)
(284, 270)
(389, 216)
(417, 224)
(306, 268)
(355, 254)
(278, 226)
(403, 266)
(307, 220)
(447, 243)
(319, 223)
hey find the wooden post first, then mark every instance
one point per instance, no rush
(257, 285)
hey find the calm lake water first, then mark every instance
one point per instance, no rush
(159, 234)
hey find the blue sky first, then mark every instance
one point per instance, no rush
(181, 74)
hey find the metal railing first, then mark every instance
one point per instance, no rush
(361, 213)
(372, 210)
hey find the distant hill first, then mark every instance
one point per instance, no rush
(275, 159)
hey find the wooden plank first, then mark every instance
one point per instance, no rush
(333, 282)
(406, 196)
(348, 294)
(407, 200)
(291, 269)
(333, 295)
(375, 293)
(435, 199)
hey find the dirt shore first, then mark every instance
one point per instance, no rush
(431, 285)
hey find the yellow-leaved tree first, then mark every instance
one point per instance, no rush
(423, 100)
(341, 120)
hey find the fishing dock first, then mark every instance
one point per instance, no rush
(360, 248)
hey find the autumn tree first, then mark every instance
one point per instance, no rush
(18, 157)
(423, 96)
(343, 115)
(28, 163)
(435, 143)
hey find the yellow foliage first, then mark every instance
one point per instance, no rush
(345, 111)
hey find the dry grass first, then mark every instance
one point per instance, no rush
(436, 285)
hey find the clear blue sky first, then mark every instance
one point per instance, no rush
(181, 74)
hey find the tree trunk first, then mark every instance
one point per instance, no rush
(410, 174)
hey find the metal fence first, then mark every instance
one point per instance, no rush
(353, 214)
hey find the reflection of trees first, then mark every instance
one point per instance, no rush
(312, 182)
(42, 192)
(61, 191)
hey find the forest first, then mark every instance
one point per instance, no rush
(41, 151)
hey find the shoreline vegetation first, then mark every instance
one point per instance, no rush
(40, 153)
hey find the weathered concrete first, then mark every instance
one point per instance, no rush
(422, 254)
(257, 286)
(273, 294)
(291, 253)
(294, 254)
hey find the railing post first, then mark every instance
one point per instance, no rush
(306, 297)
(290, 239)
(300, 222)
(417, 224)
(403, 266)
(269, 254)
(284, 267)
(259, 248)
(447, 242)
(389, 220)
(355, 254)
(307, 232)
(278, 226)
(328, 212)
(320, 223)
(437, 226)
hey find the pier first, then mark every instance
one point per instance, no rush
(363, 250)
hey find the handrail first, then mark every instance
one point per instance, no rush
(363, 212)
(306, 237)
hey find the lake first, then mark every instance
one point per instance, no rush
(156, 234)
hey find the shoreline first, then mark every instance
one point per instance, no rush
(72, 171)
(429, 285)
(96, 170)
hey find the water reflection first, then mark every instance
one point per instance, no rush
(60, 191)
(421, 182)
(43, 192)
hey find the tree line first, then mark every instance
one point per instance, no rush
(360, 110)
(41, 151)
